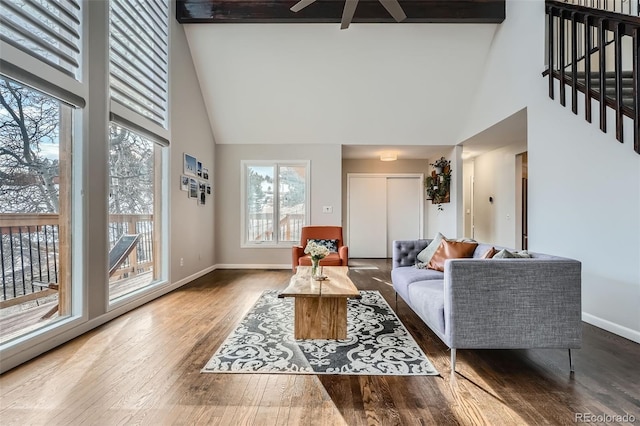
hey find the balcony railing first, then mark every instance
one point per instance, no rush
(260, 227)
(30, 252)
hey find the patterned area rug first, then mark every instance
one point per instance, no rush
(377, 343)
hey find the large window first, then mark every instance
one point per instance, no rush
(135, 198)
(138, 90)
(35, 200)
(275, 202)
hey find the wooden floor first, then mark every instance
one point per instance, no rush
(26, 317)
(144, 368)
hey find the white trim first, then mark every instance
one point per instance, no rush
(252, 266)
(612, 327)
(138, 123)
(20, 353)
(41, 70)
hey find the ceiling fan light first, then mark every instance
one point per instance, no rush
(388, 156)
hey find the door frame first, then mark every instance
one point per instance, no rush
(420, 176)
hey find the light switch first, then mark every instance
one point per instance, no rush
(327, 209)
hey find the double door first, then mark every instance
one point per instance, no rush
(382, 208)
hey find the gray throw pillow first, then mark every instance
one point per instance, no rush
(425, 255)
(506, 254)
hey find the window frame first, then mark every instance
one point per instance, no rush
(276, 243)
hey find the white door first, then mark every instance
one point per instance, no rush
(382, 208)
(404, 210)
(367, 217)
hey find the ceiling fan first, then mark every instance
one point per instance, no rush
(392, 6)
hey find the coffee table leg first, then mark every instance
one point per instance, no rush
(320, 318)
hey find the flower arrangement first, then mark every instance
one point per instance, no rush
(317, 252)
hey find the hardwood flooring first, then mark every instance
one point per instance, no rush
(144, 368)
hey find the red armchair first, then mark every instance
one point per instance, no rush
(341, 258)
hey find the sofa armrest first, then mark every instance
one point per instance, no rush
(343, 252)
(512, 303)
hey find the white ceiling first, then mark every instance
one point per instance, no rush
(404, 152)
(511, 130)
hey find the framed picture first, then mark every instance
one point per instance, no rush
(202, 186)
(208, 189)
(203, 199)
(193, 188)
(184, 183)
(199, 169)
(190, 165)
(205, 173)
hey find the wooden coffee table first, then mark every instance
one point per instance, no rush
(321, 306)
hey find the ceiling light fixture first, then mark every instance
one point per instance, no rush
(388, 156)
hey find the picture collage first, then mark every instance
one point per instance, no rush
(194, 179)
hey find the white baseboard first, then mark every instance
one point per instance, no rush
(252, 266)
(612, 327)
(33, 347)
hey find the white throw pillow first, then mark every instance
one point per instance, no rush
(427, 253)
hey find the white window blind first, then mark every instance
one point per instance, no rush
(139, 58)
(48, 30)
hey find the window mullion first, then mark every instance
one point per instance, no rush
(276, 203)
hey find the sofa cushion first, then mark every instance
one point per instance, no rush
(405, 275)
(425, 255)
(426, 298)
(450, 250)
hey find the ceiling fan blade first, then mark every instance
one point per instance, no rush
(301, 5)
(394, 9)
(348, 12)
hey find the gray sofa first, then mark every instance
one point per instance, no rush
(493, 303)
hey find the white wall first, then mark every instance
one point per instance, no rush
(325, 191)
(495, 177)
(192, 225)
(315, 84)
(584, 186)
(467, 176)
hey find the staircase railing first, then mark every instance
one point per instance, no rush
(595, 52)
(626, 7)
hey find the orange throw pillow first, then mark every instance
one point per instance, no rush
(450, 250)
(489, 253)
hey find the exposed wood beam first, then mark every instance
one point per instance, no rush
(329, 11)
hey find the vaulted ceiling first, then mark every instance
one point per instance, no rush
(373, 84)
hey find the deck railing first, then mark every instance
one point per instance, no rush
(260, 227)
(30, 251)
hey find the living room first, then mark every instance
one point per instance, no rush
(244, 92)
